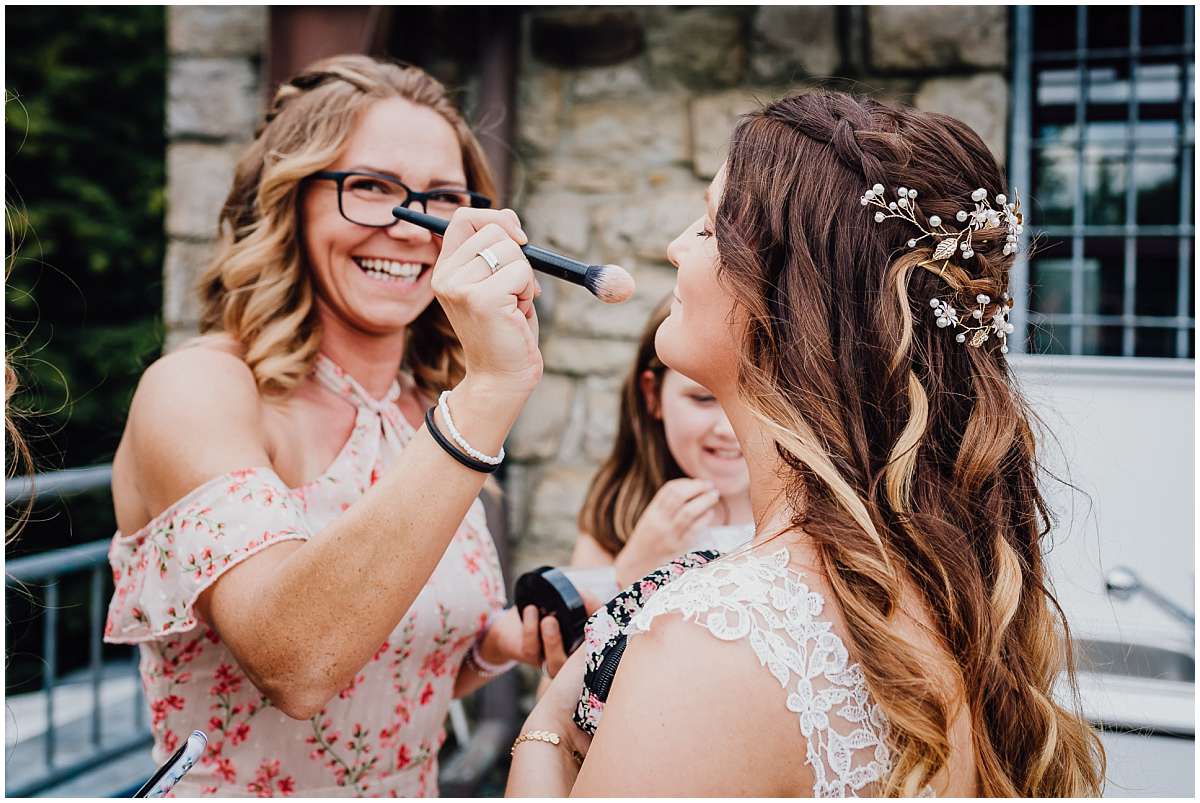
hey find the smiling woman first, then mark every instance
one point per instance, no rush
(283, 559)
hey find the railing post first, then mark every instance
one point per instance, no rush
(96, 638)
(50, 637)
(139, 710)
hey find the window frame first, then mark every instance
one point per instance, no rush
(1021, 152)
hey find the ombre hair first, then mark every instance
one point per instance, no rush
(641, 461)
(258, 290)
(909, 458)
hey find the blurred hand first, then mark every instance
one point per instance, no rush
(680, 508)
(492, 313)
(526, 638)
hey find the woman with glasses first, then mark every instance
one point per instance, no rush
(302, 556)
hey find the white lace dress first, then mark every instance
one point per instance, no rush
(755, 596)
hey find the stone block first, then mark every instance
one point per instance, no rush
(540, 108)
(212, 97)
(622, 80)
(586, 37)
(980, 101)
(579, 313)
(551, 528)
(199, 177)
(217, 30)
(644, 228)
(178, 335)
(557, 219)
(516, 500)
(699, 48)
(937, 37)
(711, 119)
(539, 429)
(614, 131)
(790, 42)
(570, 174)
(184, 263)
(579, 356)
(603, 395)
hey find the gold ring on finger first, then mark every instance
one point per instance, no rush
(492, 261)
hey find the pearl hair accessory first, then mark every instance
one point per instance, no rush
(950, 242)
(959, 243)
(998, 325)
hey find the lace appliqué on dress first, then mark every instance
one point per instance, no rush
(758, 598)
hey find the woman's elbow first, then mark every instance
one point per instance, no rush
(299, 695)
(298, 701)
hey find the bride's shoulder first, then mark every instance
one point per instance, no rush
(708, 721)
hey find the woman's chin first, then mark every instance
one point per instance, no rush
(383, 317)
(668, 345)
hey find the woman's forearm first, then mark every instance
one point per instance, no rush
(304, 626)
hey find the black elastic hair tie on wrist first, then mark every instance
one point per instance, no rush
(454, 451)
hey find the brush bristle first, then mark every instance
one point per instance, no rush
(612, 284)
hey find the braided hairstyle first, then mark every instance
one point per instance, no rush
(258, 290)
(909, 457)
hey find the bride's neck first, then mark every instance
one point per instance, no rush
(769, 505)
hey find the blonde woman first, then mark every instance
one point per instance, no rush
(892, 630)
(303, 562)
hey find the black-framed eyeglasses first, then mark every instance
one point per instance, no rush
(367, 199)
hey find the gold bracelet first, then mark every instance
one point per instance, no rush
(549, 737)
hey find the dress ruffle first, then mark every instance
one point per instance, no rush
(160, 570)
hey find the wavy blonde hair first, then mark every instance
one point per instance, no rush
(909, 457)
(258, 289)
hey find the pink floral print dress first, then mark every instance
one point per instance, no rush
(380, 735)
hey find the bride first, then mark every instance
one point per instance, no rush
(891, 630)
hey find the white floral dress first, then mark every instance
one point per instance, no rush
(380, 735)
(754, 596)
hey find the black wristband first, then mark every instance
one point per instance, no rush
(454, 451)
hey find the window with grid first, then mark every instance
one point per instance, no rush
(1103, 141)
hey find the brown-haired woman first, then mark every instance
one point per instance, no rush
(675, 479)
(307, 571)
(892, 631)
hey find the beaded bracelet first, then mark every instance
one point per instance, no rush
(486, 668)
(452, 450)
(457, 437)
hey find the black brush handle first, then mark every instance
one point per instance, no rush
(556, 265)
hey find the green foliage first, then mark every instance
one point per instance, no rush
(85, 152)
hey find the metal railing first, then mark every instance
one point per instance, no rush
(46, 571)
(479, 747)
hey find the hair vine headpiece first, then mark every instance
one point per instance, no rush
(958, 243)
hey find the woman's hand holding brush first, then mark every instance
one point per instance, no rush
(486, 287)
(612, 284)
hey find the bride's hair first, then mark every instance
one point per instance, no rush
(909, 456)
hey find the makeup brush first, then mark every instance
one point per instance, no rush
(611, 284)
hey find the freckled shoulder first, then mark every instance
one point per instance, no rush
(196, 415)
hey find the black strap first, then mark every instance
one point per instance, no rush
(454, 451)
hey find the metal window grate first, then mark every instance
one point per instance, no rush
(1102, 146)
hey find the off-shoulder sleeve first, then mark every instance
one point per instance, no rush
(160, 570)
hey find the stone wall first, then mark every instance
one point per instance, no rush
(214, 100)
(623, 116)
